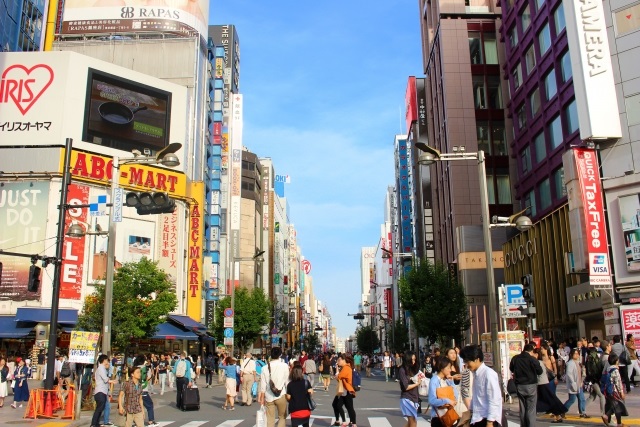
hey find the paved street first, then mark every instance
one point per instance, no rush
(377, 405)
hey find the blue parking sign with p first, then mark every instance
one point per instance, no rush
(514, 294)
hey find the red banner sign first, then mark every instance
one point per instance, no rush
(73, 255)
(592, 205)
(631, 322)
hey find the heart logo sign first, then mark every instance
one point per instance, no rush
(23, 86)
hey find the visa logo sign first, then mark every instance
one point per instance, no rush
(599, 264)
(599, 259)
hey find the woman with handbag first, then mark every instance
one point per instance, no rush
(21, 389)
(299, 391)
(615, 397)
(345, 376)
(442, 401)
(547, 401)
(409, 377)
(4, 377)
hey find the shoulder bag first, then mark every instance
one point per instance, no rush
(275, 390)
(312, 403)
(447, 414)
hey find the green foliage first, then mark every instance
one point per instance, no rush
(142, 299)
(436, 301)
(311, 342)
(252, 311)
(367, 339)
(400, 336)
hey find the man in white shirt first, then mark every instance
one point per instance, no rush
(248, 372)
(486, 397)
(277, 371)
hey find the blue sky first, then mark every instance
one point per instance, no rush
(324, 85)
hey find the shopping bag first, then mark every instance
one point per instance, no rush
(261, 417)
(423, 388)
(254, 389)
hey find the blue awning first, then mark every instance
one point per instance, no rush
(43, 315)
(9, 328)
(167, 331)
(188, 323)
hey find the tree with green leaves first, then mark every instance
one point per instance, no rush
(252, 313)
(400, 336)
(311, 342)
(436, 301)
(367, 339)
(142, 299)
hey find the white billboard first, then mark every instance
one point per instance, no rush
(592, 71)
(46, 97)
(100, 16)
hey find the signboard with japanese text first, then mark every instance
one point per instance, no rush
(167, 237)
(82, 347)
(630, 316)
(196, 237)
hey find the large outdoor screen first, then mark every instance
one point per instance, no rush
(124, 114)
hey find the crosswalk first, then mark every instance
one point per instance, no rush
(318, 421)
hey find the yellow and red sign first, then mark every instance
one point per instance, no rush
(98, 169)
(196, 235)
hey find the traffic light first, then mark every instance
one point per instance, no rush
(147, 203)
(527, 289)
(358, 316)
(34, 278)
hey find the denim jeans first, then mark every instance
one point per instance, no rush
(148, 405)
(581, 401)
(101, 400)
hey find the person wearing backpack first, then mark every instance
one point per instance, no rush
(182, 373)
(611, 384)
(623, 360)
(594, 368)
(209, 367)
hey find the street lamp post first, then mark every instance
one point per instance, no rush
(431, 155)
(165, 157)
(257, 258)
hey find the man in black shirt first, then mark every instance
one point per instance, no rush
(526, 368)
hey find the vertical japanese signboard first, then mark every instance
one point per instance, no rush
(74, 247)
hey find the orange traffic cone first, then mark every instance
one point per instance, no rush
(69, 410)
(48, 412)
(31, 404)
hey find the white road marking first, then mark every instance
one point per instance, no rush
(379, 422)
(165, 423)
(199, 423)
(228, 423)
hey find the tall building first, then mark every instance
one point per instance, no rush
(22, 25)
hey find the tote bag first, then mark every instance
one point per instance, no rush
(448, 415)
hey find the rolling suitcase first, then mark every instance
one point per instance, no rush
(190, 399)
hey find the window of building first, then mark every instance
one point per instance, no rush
(555, 133)
(633, 109)
(558, 19)
(490, 48)
(544, 39)
(513, 37)
(571, 116)
(529, 201)
(525, 160)
(475, 47)
(627, 20)
(482, 133)
(550, 85)
(517, 76)
(522, 117)
(504, 187)
(248, 186)
(494, 92)
(479, 92)
(491, 189)
(565, 64)
(498, 139)
(540, 146)
(545, 194)
(525, 18)
(534, 102)
(539, 4)
(558, 183)
(530, 58)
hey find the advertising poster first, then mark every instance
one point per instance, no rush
(630, 222)
(82, 347)
(125, 111)
(23, 221)
(74, 247)
(168, 239)
(138, 241)
(103, 16)
(630, 316)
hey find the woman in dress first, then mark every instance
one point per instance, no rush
(4, 380)
(615, 401)
(198, 367)
(229, 370)
(409, 399)
(298, 391)
(547, 402)
(550, 366)
(21, 389)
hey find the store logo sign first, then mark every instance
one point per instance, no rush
(23, 86)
